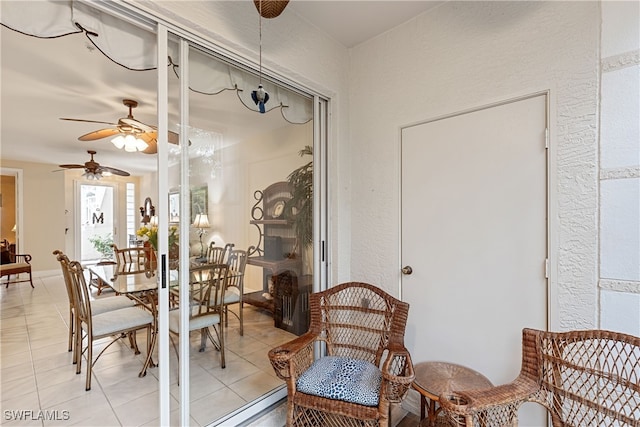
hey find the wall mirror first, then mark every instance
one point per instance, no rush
(147, 210)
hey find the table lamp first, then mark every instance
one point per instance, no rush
(201, 222)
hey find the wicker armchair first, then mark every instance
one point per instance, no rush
(360, 325)
(583, 378)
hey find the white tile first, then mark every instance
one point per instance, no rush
(129, 388)
(254, 386)
(139, 411)
(13, 389)
(203, 411)
(77, 407)
(37, 372)
(15, 372)
(63, 391)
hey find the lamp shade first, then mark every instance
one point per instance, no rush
(201, 221)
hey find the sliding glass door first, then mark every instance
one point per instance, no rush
(239, 183)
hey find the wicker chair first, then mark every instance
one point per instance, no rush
(361, 326)
(583, 378)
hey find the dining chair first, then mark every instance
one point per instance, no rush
(101, 305)
(207, 283)
(130, 260)
(218, 254)
(235, 289)
(365, 368)
(116, 323)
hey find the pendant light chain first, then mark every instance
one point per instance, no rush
(260, 31)
(260, 96)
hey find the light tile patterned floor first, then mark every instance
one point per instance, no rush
(36, 372)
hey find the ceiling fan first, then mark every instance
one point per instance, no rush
(127, 126)
(93, 169)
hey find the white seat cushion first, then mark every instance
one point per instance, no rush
(341, 378)
(102, 305)
(231, 295)
(197, 322)
(118, 320)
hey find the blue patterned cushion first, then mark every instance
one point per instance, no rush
(340, 378)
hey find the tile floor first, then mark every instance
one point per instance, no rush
(36, 373)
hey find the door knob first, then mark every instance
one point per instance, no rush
(407, 270)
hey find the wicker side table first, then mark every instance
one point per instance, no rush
(435, 378)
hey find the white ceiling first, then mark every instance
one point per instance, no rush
(353, 22)
(43, 80)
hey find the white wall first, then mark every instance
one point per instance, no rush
(619, 170)
(467, 54)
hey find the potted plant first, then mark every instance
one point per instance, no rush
(299, 209)
(103, 244)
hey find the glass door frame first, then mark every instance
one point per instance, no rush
(321, 272)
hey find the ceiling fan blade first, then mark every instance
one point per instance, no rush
(71, 166)
(88, 121)
(98, 134)
(114, 171)
(137, 124)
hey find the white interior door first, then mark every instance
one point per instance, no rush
(474, 231)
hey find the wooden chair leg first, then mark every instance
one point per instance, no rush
(71, 329)
(89, 362)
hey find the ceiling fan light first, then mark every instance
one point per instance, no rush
(141, 145)
(130, 143)
(118, 141)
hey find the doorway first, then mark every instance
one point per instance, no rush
(11, 207)
(96, 217)
(474, 232)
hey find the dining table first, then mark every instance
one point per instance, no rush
(139, 284)
(125, 280)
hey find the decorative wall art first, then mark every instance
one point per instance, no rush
(199, 202)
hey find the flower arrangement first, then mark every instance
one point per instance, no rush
(149, 233)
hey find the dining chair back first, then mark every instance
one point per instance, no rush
(218, 254)
(116, 323)
(130, 260)
(235, 289)
(207, 286)
(101, 305)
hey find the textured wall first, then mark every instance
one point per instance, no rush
(620, 168)
(466, 54)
